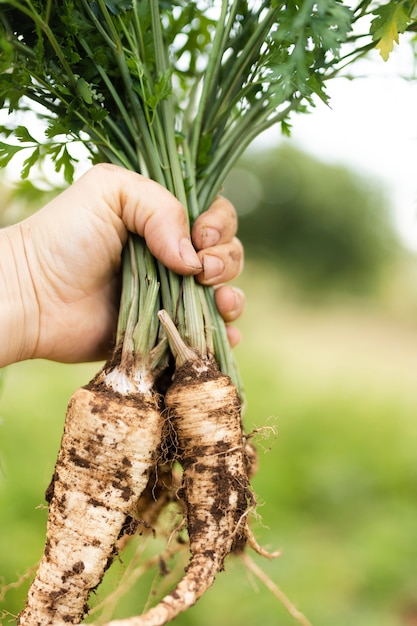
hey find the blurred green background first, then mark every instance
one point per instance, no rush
(329, 360)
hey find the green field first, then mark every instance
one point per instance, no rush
(337, 481)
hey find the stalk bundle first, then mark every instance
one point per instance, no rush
(176, 91)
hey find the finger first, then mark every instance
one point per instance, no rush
(230, 302)
(234, 336)
(221, 263)
(152, 212)
(215, 226)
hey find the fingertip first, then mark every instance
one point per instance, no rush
(205, 237)
(189, 256)
(230, 301)
(234, 336)
(216, 225)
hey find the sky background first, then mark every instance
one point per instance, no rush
(370, 126)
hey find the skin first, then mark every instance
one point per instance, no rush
(59, 272)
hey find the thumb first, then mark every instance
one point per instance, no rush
(151, 211)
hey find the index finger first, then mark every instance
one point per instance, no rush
(215, 226)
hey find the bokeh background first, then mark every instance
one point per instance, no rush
(329, 364)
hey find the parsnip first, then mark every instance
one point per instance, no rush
(109, 446)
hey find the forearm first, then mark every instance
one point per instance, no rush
(18, 311)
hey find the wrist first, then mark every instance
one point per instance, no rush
(19, 316)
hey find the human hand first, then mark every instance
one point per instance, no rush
(65, 260)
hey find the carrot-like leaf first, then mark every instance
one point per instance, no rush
(391, 20)
(7, 152)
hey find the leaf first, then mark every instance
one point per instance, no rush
(65, 162)
(30, 162)
(7, 152)
(57, 126)
(391, 20)
(330, 25)
(6, 131)
(161, 90)
(286, 128)
(84, 91)
(22, 134)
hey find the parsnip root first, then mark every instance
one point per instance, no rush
(108, 448)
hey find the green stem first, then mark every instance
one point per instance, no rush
(189, 171)
(236, 69)
(145, 332)
(131, 284)
(209, 79)
(126, 295)
(143, 132)
(159, 153)
(97, 24)
(221, 346)
(240, 137)
(113, 93)
(114, 35)
(119, 137)
(18, 45)
(138, 304)
(166, 105)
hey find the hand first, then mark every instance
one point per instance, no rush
(64, 261)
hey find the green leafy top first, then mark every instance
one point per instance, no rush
(228, 70)
(106, 73)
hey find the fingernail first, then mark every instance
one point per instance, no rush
(212, 266)
(211, 237)
(238, 295)
(189, 255)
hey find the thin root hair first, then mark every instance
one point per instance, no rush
(4, 589)
(275, 590)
